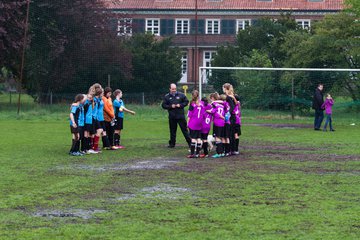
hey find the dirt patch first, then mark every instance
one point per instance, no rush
(150, 164)
(69, 213)
(277, 125)
(159, 191)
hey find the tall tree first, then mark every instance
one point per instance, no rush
(73, 43)
(12, 23)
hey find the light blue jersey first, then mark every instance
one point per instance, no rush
(100, 109)
(81, 121)
(88, 112)
(117, 105)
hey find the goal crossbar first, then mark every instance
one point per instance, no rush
(272, 69)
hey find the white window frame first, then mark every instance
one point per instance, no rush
(243, 23)
(152, 28)
(184, 67)
(207, 63)
(124, 27)
(212, 21)
(301, 23)
(182, 30)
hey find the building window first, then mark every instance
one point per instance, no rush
(213, 26)
(184, 66)
(208, 57)
(242, 24)
(124, 27)
(304, 24)
(153, 26)
(182, 26)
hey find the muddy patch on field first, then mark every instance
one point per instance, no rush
(149, 164)
(159, 191)
(69, 213)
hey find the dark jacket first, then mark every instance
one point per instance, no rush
(178, 98)
(318, 100)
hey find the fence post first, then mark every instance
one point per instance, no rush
(51, 98)
(143, 98)
(292, 100)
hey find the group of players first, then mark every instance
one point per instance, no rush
(224, 111)
(94, 116)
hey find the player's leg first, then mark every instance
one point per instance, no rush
(82, 140)
(205, 145)
(104, 137)
(172, 128)
(198, 145)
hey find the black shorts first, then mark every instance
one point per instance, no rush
(89, 128)
(204, 136)
(119, 124)
(237, 129)
(74, 130)
(99, 125)
(227, 131)
(195, 134)
(218, 131)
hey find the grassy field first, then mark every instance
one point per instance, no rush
(289, 182)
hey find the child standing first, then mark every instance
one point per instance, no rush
(218, 113)
(119, 109)
(237, 128)
(195, 120)
(74, 124)
(227, 127)
(109, 116)
(206, 126)
(329, 102)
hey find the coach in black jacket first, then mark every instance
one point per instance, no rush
(318, 101)
(175, 102)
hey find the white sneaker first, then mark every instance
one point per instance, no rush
(91, 151)
(236, 153)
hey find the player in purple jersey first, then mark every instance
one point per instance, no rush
(206, 126)
(237, 130)
(227, 128)
(218, 113)
(195, 120)
(230, 99)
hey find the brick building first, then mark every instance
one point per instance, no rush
(218, 22)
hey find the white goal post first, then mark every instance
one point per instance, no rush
(202, 71)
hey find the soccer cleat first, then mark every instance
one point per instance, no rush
(120, 147)
(171, 146)
(332, 130)
(203, 156)
(222, 155)
(114, 148)
(79, 154)
(91, 151)
(216, 156)
(235, 153)
(227, 154)
(191, 156)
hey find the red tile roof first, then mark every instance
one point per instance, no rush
(334, 5)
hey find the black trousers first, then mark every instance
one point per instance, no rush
(109, 132)
(173, 127)
(319, 116)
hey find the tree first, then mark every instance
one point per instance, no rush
(353, 6)
(73, 44)
(155, 64)
(12, 23)
(333, 43)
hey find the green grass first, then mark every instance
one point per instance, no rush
(286, 184)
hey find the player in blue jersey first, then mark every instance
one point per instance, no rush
(119, 109)
(75, 114)
(88, 128)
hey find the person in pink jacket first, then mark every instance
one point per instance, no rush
(327, 105)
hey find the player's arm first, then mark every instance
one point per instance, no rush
(128, 110)
(108, 110)
(165, 104)
(72, 119)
